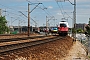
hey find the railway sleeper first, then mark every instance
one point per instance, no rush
(11, 47)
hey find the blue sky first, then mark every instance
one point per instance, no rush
(55, 11)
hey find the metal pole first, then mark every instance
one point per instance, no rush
(28, 20)
(35, 7)
(75, 18)
(46, 26)
(73, 25)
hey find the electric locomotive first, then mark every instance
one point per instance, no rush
(63, 28)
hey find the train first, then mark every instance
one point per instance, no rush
(54, 30)
(63, 28)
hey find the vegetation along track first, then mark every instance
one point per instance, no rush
(18, 43)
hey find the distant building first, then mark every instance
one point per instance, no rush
(81, 25)
(21, 29)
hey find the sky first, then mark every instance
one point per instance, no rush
(55, 12)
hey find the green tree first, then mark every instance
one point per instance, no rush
(3, 25)
(73, 30)
(88, 29)
(79, 30)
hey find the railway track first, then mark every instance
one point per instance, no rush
(7, 45)
(23, 38)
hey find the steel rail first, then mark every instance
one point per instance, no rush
(11, 47)
(22, 38)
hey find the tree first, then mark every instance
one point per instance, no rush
(88, 29)
(73, 30)
(79, 30)
(3, 25)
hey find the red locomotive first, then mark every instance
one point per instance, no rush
(63, 28)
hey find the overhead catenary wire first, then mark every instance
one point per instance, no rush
(44, 9)
(14, 15)
(62, 11)
(66, 12)
(11, 9)
(39, 7)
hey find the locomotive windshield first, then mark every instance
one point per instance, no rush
(63, 25)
